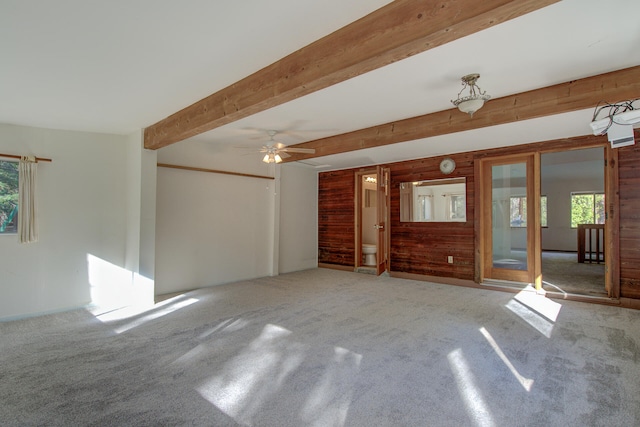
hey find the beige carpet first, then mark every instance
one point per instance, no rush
(326, 348)
(562, 273)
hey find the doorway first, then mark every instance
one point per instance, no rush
(372, 219)
(510, 248)
(528, 227)
(573, 190)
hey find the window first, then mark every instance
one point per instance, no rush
(587, 208)
(8, 197)
(543, 211)
(425, 207)
(457, 206)
(518, 211)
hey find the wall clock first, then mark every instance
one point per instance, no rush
(447, 166)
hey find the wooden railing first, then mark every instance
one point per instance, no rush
(591, 243)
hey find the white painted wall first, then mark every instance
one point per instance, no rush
(211, 228)
(82, 203)
(298, 218)
(108, 221)
(141, 213)
(148, 210)
(559, 235)
(558, 181)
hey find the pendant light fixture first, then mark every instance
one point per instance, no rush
(475, 100)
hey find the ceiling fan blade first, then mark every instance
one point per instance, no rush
(245, 149)
(283, 155)
(299, 150)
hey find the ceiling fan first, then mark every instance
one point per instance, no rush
(276, 151)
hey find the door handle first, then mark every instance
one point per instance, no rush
(379, 226)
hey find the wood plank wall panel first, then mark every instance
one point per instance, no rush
(423, 247)
(629, 185)
(336, 218)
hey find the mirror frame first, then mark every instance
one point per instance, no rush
(409, 199)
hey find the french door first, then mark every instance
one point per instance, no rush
(510, 220)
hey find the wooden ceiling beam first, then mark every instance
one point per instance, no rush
(396, 31)
(562, 98)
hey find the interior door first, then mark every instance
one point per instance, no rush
(383, 198)
(510, 227)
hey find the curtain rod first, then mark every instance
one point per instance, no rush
(190, 168)
(13, 156)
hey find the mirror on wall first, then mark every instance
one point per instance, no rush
(440, 200)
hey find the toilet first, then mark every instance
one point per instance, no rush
(369, 252)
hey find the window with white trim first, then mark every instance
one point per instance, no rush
(587, 208)
(8, 197)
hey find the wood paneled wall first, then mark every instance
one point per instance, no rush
(422, 248)
(629, 185)
(336, 218)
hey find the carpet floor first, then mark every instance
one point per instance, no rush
(561, 272)
(326, 348)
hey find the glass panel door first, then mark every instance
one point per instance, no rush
(509, 216)
(510, 227)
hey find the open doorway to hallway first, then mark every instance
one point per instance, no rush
(572, 190)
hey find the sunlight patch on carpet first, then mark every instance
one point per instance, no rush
(247, 382)
(329, 401)
(228, 325)
(475, 405)
(155, 313)
(167, 306)
(526, 383)
(538, 311)
(540, 304)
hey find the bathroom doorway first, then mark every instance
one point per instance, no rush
(372, 212)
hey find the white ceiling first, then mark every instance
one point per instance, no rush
(121, 65)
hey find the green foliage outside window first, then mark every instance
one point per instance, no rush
(543, 211)
(8, 196)
(587, 208)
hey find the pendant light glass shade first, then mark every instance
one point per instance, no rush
(475, 100)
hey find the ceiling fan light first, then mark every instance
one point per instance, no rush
(277, 151)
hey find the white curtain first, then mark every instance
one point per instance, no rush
(27, 224)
